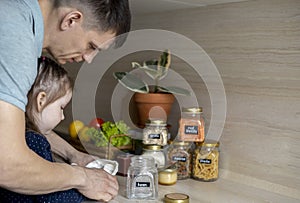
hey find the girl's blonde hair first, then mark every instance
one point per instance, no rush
(51, 79)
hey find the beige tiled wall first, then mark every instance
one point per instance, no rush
(256, 47)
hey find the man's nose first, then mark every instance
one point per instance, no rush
(89, 56)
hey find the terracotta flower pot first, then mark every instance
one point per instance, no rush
(153, 105)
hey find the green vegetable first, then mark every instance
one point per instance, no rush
(101, 137)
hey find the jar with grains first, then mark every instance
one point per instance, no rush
(191, 125)
(158, 153)
(206, 161)
(180, 157)
(142, 178)
(155, 132)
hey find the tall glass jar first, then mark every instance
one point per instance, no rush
(157, 152)
(155, 132)
(142, 178)
(191, 125)
(180, 157)
(206, 161)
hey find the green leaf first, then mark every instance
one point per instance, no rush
(131, 82)
(175, 90)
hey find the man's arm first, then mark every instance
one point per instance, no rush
(23, 171)
(66, 151)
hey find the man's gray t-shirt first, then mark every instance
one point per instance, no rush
(21, 41)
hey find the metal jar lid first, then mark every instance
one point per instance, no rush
(156, 122)
(209, 143)
(192, 110)
(152, 147)
(176, 198)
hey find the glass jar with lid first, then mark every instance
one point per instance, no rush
(192, 124)
(206, 161)
(155, 132)
(158, 153)
(180, 156)
(142, 178)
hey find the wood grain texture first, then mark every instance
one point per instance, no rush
(256, 47)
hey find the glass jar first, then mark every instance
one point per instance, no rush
(167, 177)
(124, 160)
(142, 178)
(191, 125)
(206, 161)
(180, 157)
(155, 132)
(158, 153)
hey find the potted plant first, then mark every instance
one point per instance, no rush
(149, 97)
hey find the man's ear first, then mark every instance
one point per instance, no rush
(70, 20)
(41, 100)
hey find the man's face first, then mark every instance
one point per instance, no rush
(78, 44)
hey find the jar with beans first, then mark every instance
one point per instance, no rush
(180, 157)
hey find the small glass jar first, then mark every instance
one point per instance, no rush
(124, 160)
(158, 153)
(191, 125)
(155, 132)
(167, 177)
(206, 161)
(142, 178)
(180, 157)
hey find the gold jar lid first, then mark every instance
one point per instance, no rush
(208, 143)
(152, 147)
(181, 143)
(192, 109)
(158, 122)
(176, 198)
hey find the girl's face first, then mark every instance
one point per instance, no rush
(53, 114)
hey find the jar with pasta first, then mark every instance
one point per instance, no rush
(180, 158)
(206, 161)
(191, 125)
(155, 133)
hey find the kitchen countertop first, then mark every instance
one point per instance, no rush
(231, 187)
(222, 191)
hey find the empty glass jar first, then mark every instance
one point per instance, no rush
(142, 178)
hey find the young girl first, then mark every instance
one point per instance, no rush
(49, 95)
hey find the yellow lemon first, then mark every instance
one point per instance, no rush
(83, 135)
(75, 127)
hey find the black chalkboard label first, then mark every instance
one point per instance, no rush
(191, 129)
(142, 184)
(154, 136)
(179, 158)
(205, 161)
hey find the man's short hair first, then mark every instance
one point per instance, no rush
(103, 15)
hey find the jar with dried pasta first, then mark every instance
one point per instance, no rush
(191, 125)
(206, 161)
(180, 158)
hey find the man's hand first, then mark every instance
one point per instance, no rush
(81, 159)
(99, 185)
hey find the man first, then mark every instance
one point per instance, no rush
(68, 31)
